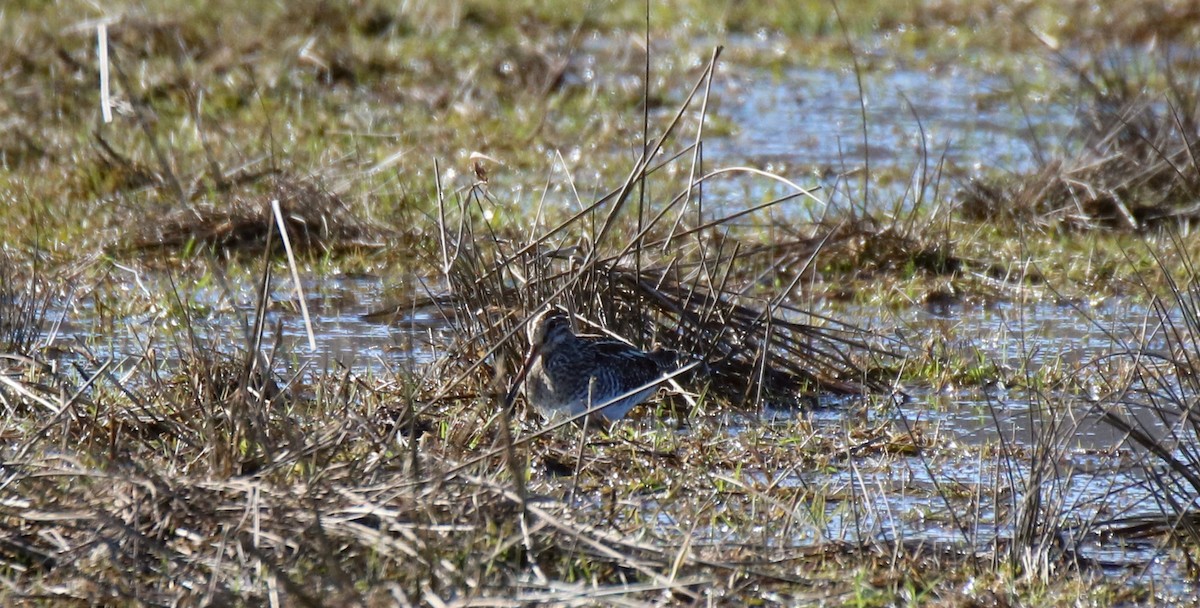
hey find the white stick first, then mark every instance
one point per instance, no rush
(102, 51)
(287, 246)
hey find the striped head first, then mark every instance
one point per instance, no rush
(547, 331)
(550, 329)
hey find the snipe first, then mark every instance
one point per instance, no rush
(567, 374)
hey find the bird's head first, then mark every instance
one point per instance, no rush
(550, 328)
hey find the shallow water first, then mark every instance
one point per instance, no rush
(929, 131)
(982, 439)
(344, 339)
(813, 117)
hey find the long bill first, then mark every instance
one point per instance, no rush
(534, 352)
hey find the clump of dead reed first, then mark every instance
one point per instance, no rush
(28, 382)
(24, 299)
(317, 220)
(661, 274)
(1135, 163)
(117, 473)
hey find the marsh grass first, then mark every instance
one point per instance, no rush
(206, 476)
(204, 470)
(1135, 171)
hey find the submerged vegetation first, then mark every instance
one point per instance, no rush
(179, 180)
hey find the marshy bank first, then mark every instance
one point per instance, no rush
(939, 274)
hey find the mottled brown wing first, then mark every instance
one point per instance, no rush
(632, 361)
